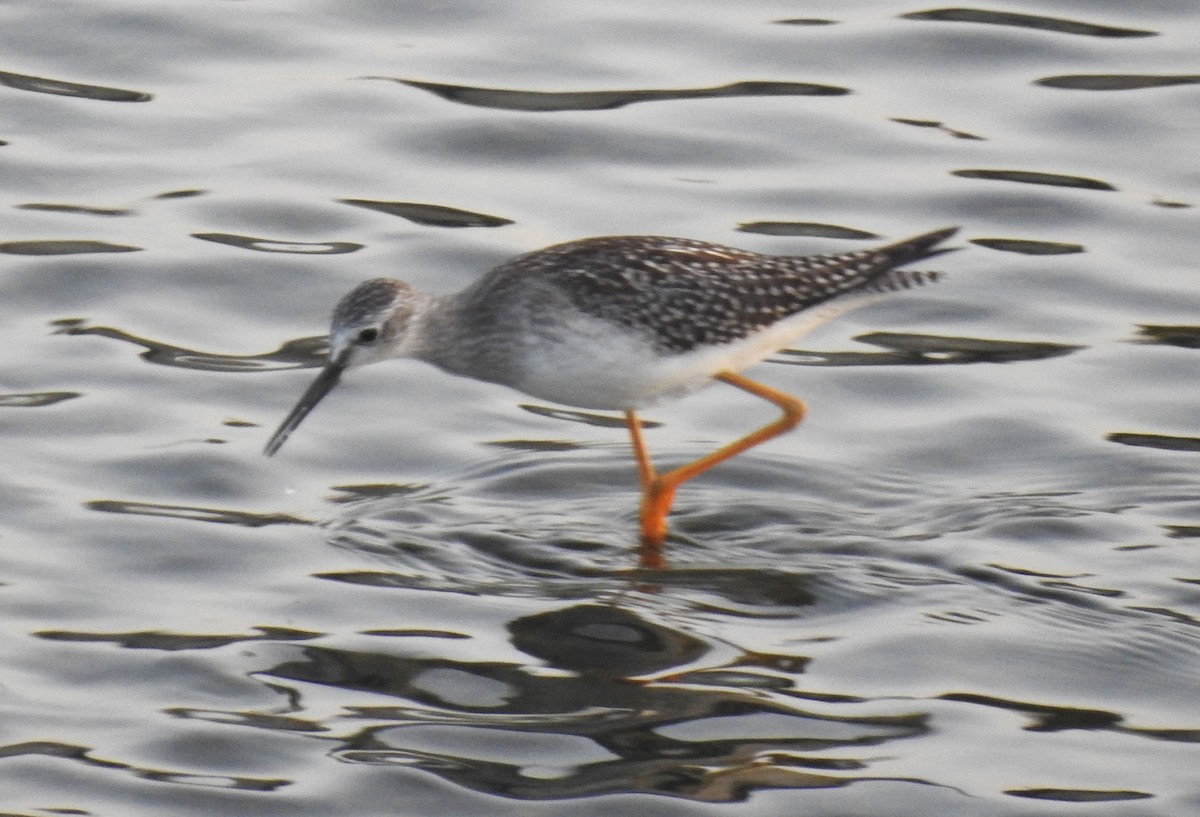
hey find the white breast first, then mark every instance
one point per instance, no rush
(597, 365)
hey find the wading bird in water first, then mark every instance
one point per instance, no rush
(620, 323)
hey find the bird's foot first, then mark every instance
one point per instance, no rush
(656, 503)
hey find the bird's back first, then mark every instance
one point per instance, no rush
(683, 294)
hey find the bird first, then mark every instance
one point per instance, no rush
(620, 323)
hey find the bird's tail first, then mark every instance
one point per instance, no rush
(907, 251)
(918, 248)
(896, 280)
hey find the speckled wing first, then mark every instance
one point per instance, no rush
(686, 294)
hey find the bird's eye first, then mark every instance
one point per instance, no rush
(368, 335)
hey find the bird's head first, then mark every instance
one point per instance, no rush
(371, 323)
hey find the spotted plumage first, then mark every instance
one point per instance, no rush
(617, 323)
(621, 322)
(685, 294)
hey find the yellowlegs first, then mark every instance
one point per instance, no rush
(621, 323)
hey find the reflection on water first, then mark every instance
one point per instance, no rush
(1186, 336)
(628, 712)
(806, 228)
(1057, 25)
(543, 101)
(247, 242)
(58, 87)
(177, 641)
(1027, 247)
(432, 215)
(77, 209)
(940, 126)
(910, 349)
(1117, 82)
(639, 682)
(218, 515)
(86, 756)
(1165, 441)
(1032, 177)
(302, 353)
(37, 399)
(63, 247)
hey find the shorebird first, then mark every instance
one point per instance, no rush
(619, 323)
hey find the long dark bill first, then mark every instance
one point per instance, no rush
(326, 380)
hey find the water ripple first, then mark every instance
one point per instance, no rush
(301, 353)
(1024, 246)
(557, 101)
(431, 215)
(1034, 177)
(248, 242)
(58, 87)
(63, 247)
(1117, 82)
(1057, 25)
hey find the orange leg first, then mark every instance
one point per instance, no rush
(645, 467)
(658, 491)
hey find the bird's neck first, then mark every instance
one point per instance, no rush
(450, 337)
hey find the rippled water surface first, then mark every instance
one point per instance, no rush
(969, 584)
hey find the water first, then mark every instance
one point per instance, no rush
(967, 584)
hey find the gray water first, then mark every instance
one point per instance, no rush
(968, 584)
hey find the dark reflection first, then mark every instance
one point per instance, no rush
(542, 101)
(1171, 205)
(715, 741)
(180, 194)
(1044, 718)
(302, 353)
(600, 640)
(371, 491)
(1008, 18)
(1027, 247)
(745, 587)
(248, 242)
(534, 445)
(77, 209)
(1168, 613)
(1033, 177)
(1117, 82)
(83, 754)
(1049, 718)
(1162, 441)
(411, 633)
(43, 85)
(930, 123)
(214, 781)
(36, 399)
(172, 642)
(255, 720)
(806, 21)
(218, 516)
(585, 417)
(431, 215)
(63, 247)
(1037, 574)
(911, 349)
(751, 593)
(1170, 335)
(1079, 795)
(805, 228)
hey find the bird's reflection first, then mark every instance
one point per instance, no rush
(615, 703)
